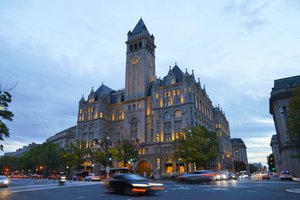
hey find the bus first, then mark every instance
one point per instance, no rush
(109, 172)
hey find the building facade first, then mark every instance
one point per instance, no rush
(239, 150)
(276, 153)
(279, 102)
(21, 151)
(150, 110)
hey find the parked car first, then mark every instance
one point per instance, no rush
(4, 181)
(285, 175)
(132, 184)
(37, 176)
(198, 176)
(92, 177)
(77, 176)
(54, 176)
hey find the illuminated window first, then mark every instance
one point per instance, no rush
(189, 89)
(101, 115)
(157, 137)
(113, 117)
(177, 113)
(156, 95)
(139, 104)
(96, 115)
(182, 99)
(178, 92)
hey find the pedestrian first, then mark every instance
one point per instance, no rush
(152, 176)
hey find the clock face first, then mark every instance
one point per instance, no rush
(135, 60)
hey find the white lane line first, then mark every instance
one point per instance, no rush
(81, 197)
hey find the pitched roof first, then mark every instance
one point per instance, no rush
(103, 90)
(139, 27)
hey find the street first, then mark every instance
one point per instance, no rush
(225, 190)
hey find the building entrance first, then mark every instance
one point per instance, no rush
(143, 167)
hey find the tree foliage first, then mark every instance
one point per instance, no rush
(197, 145)
(126, 150)
(5, 114)
(293, 120)
(239, 166)
(76, 154)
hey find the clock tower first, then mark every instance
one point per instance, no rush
(140, 62)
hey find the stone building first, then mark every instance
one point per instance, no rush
(276, 153)
(279, 104)
(63, 138)
(225, 159)
(149, 110)
(239, 150)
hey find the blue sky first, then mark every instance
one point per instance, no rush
(56, 51)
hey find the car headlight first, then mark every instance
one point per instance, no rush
(6, 182)
(156, 184)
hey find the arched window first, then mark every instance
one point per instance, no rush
(133, 128)
(167, 116)
(177, 113)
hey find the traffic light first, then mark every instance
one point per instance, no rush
(109, 156)
(131, 159)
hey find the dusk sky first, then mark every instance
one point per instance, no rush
(57, 50)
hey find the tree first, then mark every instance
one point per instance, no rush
(239, 166)
(197, 145)
(126, 150)
(43, 159)
(252, 168)
(5, 114)
(75, 155)
(293, 121)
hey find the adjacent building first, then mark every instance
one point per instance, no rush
(21, 151)
(63, 138)
(279, 103)
(276, 153)
(239, 150)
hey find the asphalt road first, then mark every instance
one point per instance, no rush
(224, 190)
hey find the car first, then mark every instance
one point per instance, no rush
(36, 176)
(198, 176)
(54, 176)
(92, 177)
(132, 184)
(232, 176)
(285, 175)
(265, 176)
(77, 176)
(4, 181)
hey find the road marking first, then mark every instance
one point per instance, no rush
(81, 197)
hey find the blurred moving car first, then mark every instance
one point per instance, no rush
(132, 184)
(285, 175)
(223, 175)
(92, 177)
(4, 181)
(198, 176)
